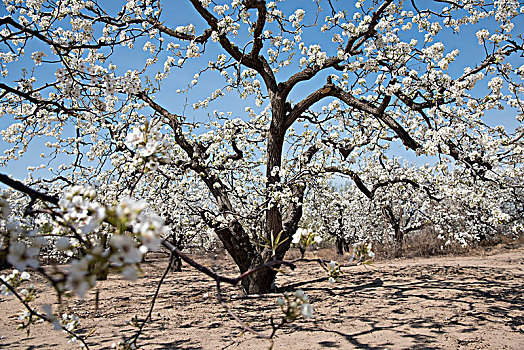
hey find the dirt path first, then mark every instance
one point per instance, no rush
(437, 303)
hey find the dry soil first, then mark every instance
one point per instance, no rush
(472, 302)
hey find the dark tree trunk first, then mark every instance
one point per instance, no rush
(302, 252)
(397, 229)
(340, 246)
(177, 239)
(3, 258)
(260, 282)
(3, 252)
(274, 160)
(263, 281)
(177, 264)
(103, 271)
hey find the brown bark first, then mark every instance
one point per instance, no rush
(260, 282)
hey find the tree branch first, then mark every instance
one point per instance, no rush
(379, 113)
(20, 187)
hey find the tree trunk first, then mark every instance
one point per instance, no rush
(177, 239)
(236, 240)
(302, 252)
(399, 240)
(4, 252)
(274, 160)
(103, 270)
(260, 282)
(340, 246)
(3, 258)
(177, 264)
(263, 281)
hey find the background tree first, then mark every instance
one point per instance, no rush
(415, 201)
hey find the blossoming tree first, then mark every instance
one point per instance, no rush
(232, 116)
(407, 199)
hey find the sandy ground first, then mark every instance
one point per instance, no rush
(436, 303)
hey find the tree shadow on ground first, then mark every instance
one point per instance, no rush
(471, 298)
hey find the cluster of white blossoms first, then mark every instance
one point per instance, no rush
(362, 252)
(482, 35)
(133, 232)
(5, 208)
(315, 55)
(295, 305)
(37, 57)
(149, 144)
(131, 82)
(64, 322)
(146, 139)
(306, 235)
(80, 277)
(297, 17)
(333, 270)
(14, 280)
(304, 238)
(23, 256)
(81, 210)
(23, 247)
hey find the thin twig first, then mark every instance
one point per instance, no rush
(232, 314)
(32, 313)
(135, 338)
